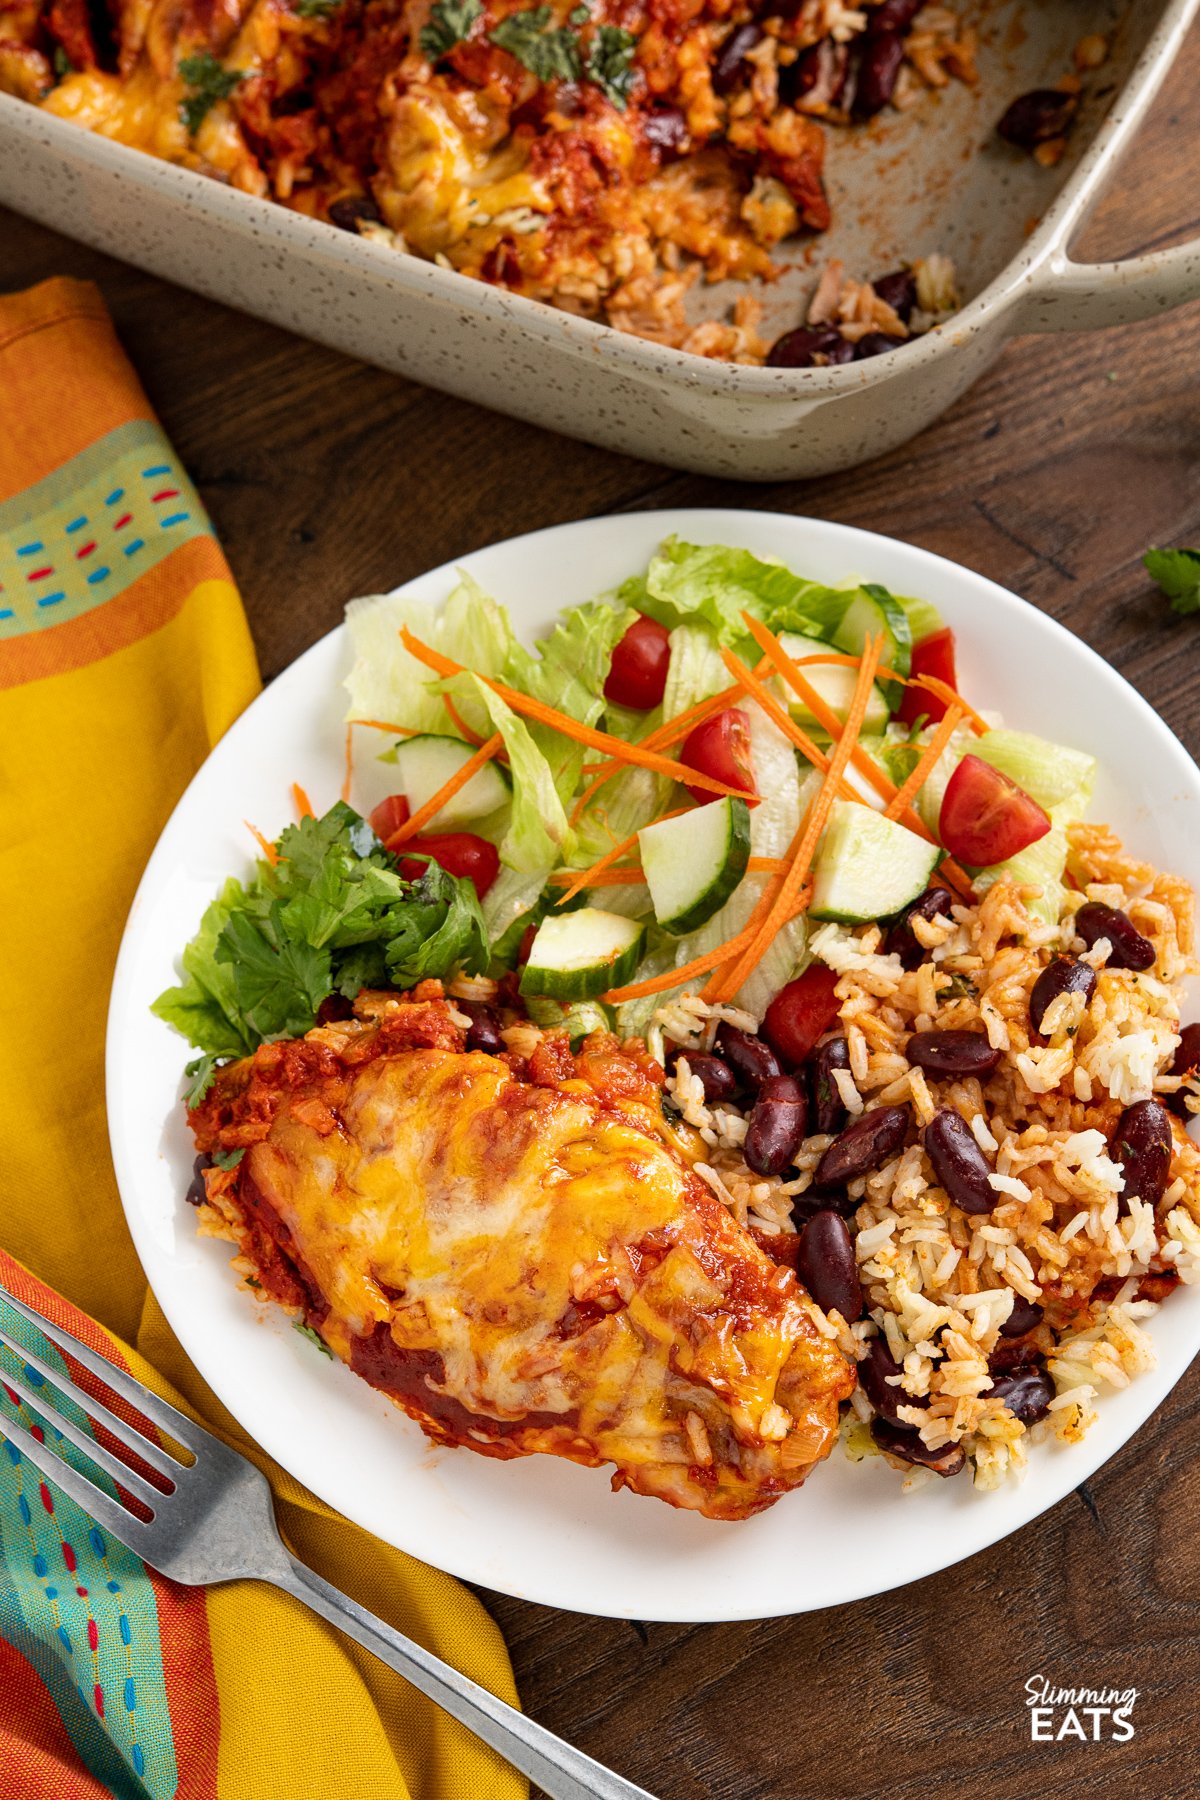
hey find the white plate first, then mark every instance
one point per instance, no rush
(539, 1527)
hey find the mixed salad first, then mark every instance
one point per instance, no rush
(662, 795)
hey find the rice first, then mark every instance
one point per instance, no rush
(939, 1284)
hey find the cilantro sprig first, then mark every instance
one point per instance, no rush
(333, 915)
(1177, 573)
(449, 23)
(209, 81)
(550, 52)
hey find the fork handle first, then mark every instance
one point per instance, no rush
(557, 1767)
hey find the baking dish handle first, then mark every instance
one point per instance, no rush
(1071, 296)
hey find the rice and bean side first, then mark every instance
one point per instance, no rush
(918, 1020)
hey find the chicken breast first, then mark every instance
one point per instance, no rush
(518, 1253)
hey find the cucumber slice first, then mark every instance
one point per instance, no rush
(694, 862)
(868, 866)
(871, 611)
(577, 955)
(834, 685)
(426, 764)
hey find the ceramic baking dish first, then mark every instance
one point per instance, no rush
(933, 179)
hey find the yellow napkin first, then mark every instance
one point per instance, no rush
(124, 654)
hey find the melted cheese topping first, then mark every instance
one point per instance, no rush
(563, 1280)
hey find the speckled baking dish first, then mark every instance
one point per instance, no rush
(931, 180)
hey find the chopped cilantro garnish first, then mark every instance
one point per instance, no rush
(201, 1073)
(63, 66)
(449, 23)
(552, 54)
(228, 1159)
(209, 81)
(313, 1337)
(610, 63)
(1177, 573)
(332, 915)
(579, 15)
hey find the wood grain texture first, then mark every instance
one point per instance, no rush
(327, 479)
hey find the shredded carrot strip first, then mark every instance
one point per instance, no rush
(349, 775)
(783, 905)
(265, 845)
(904, 796)
(952, 697)
(757, 865)
(780, 716)
(829, 720)
(472, 737)
(386, 725)
(586, 877)
(447, 791)
(835, 661)
(658, 984)
(571, 728)
(304, 805)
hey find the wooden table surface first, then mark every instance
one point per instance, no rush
(328, 479)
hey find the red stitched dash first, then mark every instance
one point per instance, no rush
(99, 1700)
(40, 574)
(68, 1557)
(35, 1431)
(84, 550)
(165, 494)
(44, 1491)
(93, 1636)
(122, 521)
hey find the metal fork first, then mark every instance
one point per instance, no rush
(218, 1524)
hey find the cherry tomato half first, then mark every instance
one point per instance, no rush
(640, 661)
(801, 1013)
(458, 852)
(986, 817)
(932, 655)
(720, 747)
(389, 816)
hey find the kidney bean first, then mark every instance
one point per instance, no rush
(1065, 975)
(1025, 1315)
(899, 291)
(866, 1142)
(893, 15)
(818, 75)
(1142, 1146)
(875, 343)
(1009, 1354)
(717, 1077)
(799, 349)
(666, 129)
(908, 1446)
(777, 1125)
(952, 1052)
(1034, 117)
(958, 1162)
(349, 213)
(752, 1059)
(197, 1193)
(1186, 1061)
(901, 940)
(873, 1372)
(730, 64)
(1130, 950)
(829, 1114)
(826, 1265)
(1027, 1393)
(879, 62)
(484, 1032)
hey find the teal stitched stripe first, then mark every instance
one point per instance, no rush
(88, 530)
(77, 1604)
